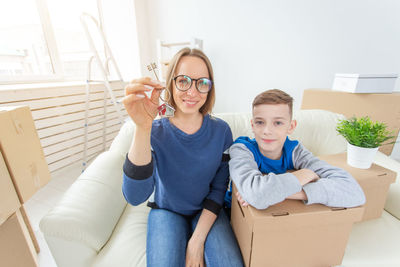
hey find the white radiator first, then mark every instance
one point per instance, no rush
(59, 113)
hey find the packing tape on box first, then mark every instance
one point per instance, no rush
(35, 174)
(17, 123)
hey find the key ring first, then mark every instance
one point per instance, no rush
(152, 67)
(165, 109)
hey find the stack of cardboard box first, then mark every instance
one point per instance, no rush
(23, 171)
(379, 107)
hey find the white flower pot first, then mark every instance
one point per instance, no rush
(360, 157)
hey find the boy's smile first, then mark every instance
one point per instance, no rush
(268, 140)
(271, 125)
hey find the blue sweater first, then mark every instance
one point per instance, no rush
(266, 165)
(189, 172)
(263, 182)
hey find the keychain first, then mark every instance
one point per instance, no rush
(165, 109)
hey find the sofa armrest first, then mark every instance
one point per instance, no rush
(123, 140)
(91, 207)
(392, 204)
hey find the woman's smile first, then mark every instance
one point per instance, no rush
(190, 102)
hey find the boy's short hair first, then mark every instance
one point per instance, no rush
(274, 96)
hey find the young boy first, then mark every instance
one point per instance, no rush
(259, 167)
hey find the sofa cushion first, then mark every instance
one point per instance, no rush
(127, 245)
(122, 141)
(238, 122)
(316, 130)
(392, 204)
(79, 216)
(374, 243)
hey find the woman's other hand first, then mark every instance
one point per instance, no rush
(141, 108)
(195, 253)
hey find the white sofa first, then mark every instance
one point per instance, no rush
(93, 225)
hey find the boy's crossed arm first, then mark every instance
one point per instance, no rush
(262, 191)
(304, 176)
(315, 181)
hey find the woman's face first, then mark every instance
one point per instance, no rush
(190, 101)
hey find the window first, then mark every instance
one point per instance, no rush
(72, 43)
(42, 40)
(23, 49)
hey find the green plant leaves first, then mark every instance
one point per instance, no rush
(363, 132)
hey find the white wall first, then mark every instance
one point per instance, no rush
(121, 31)
(287, 44)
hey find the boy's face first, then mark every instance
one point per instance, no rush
(271, 125)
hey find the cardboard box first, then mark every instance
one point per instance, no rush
(292, 234)
(22, 151)
(365, 83)
(379, 107)
(9, 202)
(16, 248)
(29, 227)
(374, 181)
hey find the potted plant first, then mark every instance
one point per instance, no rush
(364, 138)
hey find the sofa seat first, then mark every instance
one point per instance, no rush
(127, 245)
(92, 225)
(374, 243)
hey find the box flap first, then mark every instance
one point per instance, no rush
(288, 207)
(375, 174)
(9, 108)
(290, 210)
(9, 202)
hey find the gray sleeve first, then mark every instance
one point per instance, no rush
(336, 187)
(259, 190)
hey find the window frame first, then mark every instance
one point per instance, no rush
(52, 48)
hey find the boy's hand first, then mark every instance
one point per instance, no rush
(305, 176)
(298, 196)
(241, 200)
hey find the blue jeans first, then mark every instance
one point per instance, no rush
(168, 234)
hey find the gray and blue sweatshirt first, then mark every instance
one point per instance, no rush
(263, 182)
(188, 172)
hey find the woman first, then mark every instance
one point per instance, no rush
(182, 159)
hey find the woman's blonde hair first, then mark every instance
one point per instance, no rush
(209, 104)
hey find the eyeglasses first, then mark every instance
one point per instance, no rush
(183, 83)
